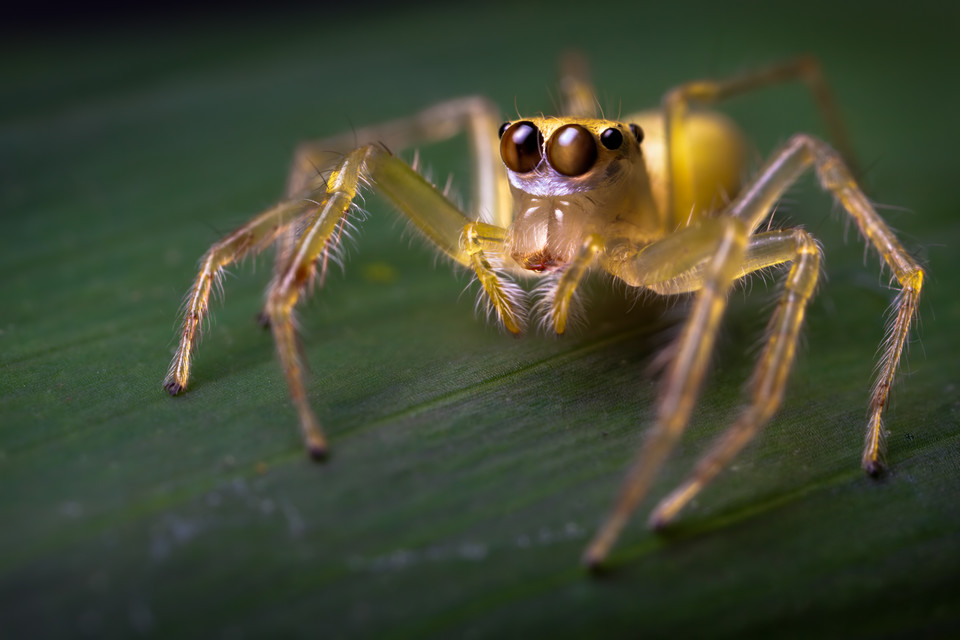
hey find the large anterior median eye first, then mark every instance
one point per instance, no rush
(521, 146)
(572, 150)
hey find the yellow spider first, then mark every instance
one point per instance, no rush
(654, 200)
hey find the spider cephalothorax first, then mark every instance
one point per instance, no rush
(571, 177)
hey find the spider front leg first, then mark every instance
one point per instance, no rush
(443, 224)
(721, 242)
(770, 375)
(751, 207)
(474, 116)
(560, 298)
(480, 241)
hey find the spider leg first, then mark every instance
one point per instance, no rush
(476, 116)
(480, 241)
(676, 104)
(572, 275)
(252, 237)
(445, 225)
(290, 281)
(753, 205)
(578, 93)
(773, 368)
(720, 241)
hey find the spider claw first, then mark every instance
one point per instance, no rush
(318, 452)
(658, 522)
(263, 319)
(594, 564)
(874, 468)
(173, 387)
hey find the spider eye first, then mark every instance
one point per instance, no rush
(611, 138)
(503, 128)
(520, 146)
(572, 150)
(637, 133)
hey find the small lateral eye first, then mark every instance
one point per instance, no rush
(611, 138)
(637, 133)
(572, 150)
(503, 128)
(521, 146)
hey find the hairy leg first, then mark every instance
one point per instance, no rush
(725, 245)
(676, 104)
(752, 206)
(477, 117)
(439, 220)
(252, 237)
(773, 368)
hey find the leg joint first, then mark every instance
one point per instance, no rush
(914, 281)
(806, 244)
(480, 236)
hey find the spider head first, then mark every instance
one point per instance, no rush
(568, 176)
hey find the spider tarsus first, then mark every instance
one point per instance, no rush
(658, 523)
(318, 452)
(594, 565)
(263, 319)
(173, 387)
(875, 468)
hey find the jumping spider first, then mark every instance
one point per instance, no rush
(654, 200)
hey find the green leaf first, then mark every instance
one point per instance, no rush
(469, 468)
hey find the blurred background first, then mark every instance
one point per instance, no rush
(469, 468)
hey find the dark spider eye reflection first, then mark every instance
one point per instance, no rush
(637, 132)
(521, 146)
(572, 150)
(611, 138)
